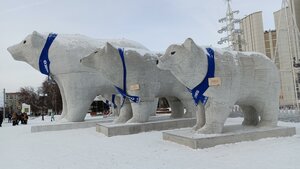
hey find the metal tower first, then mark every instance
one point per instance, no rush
(233, 38)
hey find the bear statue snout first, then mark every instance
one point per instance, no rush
(83, 61)
(11, 49)
(16, 53)
(160, 64)
(87, 61)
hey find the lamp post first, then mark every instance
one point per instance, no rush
(44, 95)
(4, 97)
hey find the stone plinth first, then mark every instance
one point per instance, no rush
(231, 134)
(111, 129)
(68, 125)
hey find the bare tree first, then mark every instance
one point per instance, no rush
(53, 99)
(30, 96)
(45, 97)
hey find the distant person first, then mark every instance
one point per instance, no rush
(1, 119)
(24, 118)
(42, 116)
(9, 117)
(15, 119)
(52, 116)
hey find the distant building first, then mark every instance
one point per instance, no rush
(253, 33)
(287, 51)
(13, 103)
(270, 43)
(26, 108)
(295, 6)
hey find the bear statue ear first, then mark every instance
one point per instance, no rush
(189, 43)
(109, 47)
(36, 34)
(37, 39)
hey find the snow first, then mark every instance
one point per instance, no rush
(87, 149)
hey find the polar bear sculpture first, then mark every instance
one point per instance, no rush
(137, 70)
(78, 84)
(225, 78)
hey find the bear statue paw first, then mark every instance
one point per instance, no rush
(209, 130)
(134, 120)
(196, 127)
(205, 130)
(120, 120)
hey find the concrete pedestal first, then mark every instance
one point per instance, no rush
(69, 125)
(111, 129)
(232, 134)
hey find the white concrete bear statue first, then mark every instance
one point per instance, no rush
(59, 56)
(220, 79)
(137, 78)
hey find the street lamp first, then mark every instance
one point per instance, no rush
(4, 102)
(44, 104)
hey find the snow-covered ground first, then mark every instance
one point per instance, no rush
(87, 149)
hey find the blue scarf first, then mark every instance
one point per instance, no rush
(44, 62)
(199, 90)
(123, 91)
(113, 100)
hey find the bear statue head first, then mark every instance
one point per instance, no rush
(107, 61)
(183, 60)
(29, 49)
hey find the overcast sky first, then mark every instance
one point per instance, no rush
(154, 23)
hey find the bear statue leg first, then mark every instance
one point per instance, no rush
(125, 113)
(79, 102)
(114, 111)
(63, 98)
(176, 107)
(154, 113)
(142, 110)
(79, 95)
(215, 115)
(64, 106)
(269, 114)
(191, 108)
(200, 117)
(250, 115)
